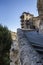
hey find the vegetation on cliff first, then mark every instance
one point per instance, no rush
(5, 45)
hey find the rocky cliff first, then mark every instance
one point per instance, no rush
(14, 51)
(28, 55)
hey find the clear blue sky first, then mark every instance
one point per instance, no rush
(11, 10)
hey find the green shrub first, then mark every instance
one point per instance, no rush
(5, 45)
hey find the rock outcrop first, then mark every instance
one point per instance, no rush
(14, 51)
(28, 55)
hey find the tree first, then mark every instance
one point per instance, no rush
(5, 45)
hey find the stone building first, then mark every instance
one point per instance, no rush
(36, 22)
(40, 12)
(28, 21)
(40, 7)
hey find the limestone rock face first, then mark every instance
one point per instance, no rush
(14, 54)
(28, 55)
(40, 7)
(14, 51)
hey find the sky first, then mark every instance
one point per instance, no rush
(11, 10)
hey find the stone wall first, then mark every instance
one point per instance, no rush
(40, 7)
(28, 56)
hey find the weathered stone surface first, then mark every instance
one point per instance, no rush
(13, 35)
(28, 56)
(14, 53)
(40, 7)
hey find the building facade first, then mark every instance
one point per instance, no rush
(40, 7)
(28, 21)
